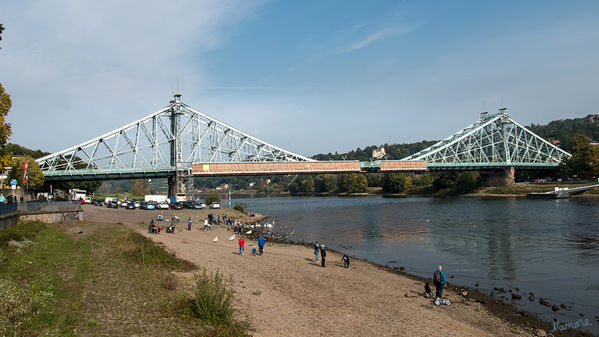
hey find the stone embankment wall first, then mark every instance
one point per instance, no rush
(7, 220)
(54, 217)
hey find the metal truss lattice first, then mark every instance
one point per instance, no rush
(168, 140)
(494, 141)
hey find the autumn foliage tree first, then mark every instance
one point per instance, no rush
(5, 128)
(35, 177)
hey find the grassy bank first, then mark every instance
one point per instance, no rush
(104, 280)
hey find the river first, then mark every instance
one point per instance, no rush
(549, 247)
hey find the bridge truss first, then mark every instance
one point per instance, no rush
(160, 145)
(494, 142)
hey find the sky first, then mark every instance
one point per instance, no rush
(307, 76)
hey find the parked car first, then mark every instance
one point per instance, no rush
(188, 204)
(137, 204)
(130, 205)
(114, 204)
(177, 205)
(150, 205)
(199, 205)
(97, 202)
(215, 205)
(164, 205)
(87, 200)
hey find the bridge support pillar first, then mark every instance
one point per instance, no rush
(178, 184)
(501, 177)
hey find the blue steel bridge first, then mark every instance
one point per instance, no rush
(178, 142)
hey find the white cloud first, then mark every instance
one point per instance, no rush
(78, 69)
(382, 34)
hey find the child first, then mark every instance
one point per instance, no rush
(254, 250)
(345, 259)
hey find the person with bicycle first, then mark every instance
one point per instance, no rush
(440, 281)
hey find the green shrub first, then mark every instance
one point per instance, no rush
(213, 301)
(240, 206)
(20, 232)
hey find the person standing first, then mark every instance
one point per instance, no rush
(241, 243)
(323, 254)
(189, 224)
(261, 242)
(316, 249)
(439, 280)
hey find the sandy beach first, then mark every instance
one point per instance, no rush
(284, 293)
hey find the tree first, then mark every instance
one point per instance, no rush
(423, 179)
(35, 177)
(212, 197)
(396, 182)
(301, 184)
(585, 158)
(325, 183)
(352, 183)
(1, 30)
(5, 128)
(140, 187)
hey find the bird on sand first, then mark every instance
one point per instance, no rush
(248, 232)
(232, 237)
(215, 239)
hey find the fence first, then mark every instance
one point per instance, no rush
(8, 208)
(49, 205)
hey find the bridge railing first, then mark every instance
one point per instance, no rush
(49, 205)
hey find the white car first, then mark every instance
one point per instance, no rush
(163, 205)
(87, 200)
(215, 205)
(137, 203)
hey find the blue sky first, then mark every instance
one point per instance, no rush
(308, 76)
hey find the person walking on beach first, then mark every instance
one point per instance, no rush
(316, 249)
(345, 260)
(261, 242)
(439, 280)
(323, 254)
(241, 243)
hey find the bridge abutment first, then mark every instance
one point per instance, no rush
(501, 177)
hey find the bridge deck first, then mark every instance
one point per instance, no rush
(267, 168)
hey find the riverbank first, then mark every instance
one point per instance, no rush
(284, 293)
(519, 190)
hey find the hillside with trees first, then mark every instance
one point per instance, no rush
(565, 129)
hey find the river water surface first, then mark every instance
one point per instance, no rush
(549, 247)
